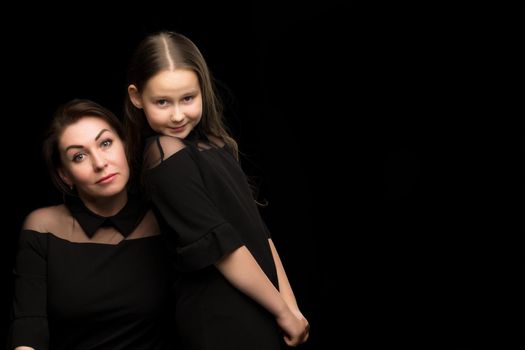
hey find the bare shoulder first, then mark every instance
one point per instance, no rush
(171, 145)
(216, 141)
(45, 219)
(162, 148)
(148, 226)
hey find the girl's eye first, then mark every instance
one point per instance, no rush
(188, 98)
(106, 143)
(162, 103)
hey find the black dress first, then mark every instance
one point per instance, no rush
(206, 210)
(71, 293)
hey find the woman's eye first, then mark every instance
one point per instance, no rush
(188, 99)
(106, 143)
(78, 157)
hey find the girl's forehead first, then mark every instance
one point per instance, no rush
(173, 80)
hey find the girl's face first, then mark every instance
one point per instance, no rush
(172, 102)
(93, 159)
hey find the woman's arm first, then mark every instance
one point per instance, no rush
(29, 327)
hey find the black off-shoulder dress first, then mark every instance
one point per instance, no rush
(73, 294)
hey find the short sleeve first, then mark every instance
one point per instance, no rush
(267, 231)
(202, 235)
(29, 325)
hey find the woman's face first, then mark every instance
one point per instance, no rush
(93, 158)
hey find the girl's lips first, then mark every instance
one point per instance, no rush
(178, 128)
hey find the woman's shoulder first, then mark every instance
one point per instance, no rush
(45, 219)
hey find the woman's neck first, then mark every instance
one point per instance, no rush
(107, 206)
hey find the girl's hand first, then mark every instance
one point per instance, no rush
(295, 327)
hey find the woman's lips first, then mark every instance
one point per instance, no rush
(107, 179)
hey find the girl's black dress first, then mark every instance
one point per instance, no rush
(206, 210)
(73, 294)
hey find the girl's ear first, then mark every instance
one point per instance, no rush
(65, 177)
(134, 96)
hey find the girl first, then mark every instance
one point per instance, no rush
(90, 273)
(233, 292)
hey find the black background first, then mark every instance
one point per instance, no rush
(387, 139)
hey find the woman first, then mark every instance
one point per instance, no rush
(90, 273)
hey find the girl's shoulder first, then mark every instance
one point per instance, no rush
(161, 147)
(216, 141)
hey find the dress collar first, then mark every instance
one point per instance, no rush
(125, 221)
(194, 135)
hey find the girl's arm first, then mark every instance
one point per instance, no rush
(202, 237)
(243, 272)
(285, 288)
(284, 285)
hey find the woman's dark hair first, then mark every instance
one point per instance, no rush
(67, 114)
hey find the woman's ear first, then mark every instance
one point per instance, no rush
(65, 177)
(134, 96)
